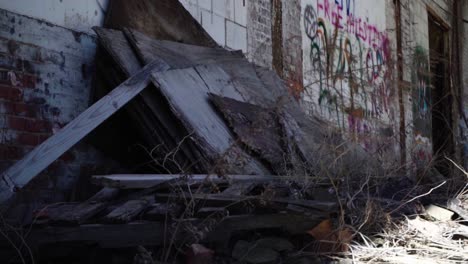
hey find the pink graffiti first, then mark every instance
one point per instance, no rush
(342, 19)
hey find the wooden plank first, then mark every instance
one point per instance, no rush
(243, 76)
(240, 188)
(128, 211)
(145, 181)
(319, 206)
(149, 110)
(18, 175)
(152, 233)
(82, 212)
(257, 128)
(162, 211)
(117, 46)
(210, 131)
(220, 231)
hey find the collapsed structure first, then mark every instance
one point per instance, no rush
(193, 130)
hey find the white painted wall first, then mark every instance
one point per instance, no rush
(224, 20)
(328, 33)
(79, 15)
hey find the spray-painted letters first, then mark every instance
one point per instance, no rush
(346, 62)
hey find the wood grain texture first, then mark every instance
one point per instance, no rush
(240, 188)
(257, 128)
(129, 210)
(117, 46)
(149, 110)
(312, 205)
(186, 93)
(242, 74)
(43, 155)
(144, 181)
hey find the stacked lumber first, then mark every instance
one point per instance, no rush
(219, 207)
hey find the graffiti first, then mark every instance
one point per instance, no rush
(421, 79)
(347, 60)
(422, 113)
(347, 69)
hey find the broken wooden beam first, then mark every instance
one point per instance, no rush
(312, 205)
(82, 212)
(129, 210)
(144, 181)
(23, 171)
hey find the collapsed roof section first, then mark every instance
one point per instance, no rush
(214, 112)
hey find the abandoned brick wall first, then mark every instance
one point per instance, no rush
(259, 39)
(341, 59)
(45, 81)
(292, 45)
(348, 71)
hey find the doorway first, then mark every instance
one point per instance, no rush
(441, 95)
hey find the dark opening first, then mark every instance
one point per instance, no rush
(442, 134)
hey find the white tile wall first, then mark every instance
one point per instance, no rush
(214, 25)
(236, 36)
(224, 20)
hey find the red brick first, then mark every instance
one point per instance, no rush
(17, 123)
(29, 81)
(20, 109)
(27, 139)
(10, 152)
(35, 125)
(29, 125)
(10, 93)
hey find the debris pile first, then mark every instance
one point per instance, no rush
(176, 212)
(210, 110)
(240, 160)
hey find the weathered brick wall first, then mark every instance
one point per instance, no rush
(259, 39)
(292, 45)
(45, 81)
(417, 93)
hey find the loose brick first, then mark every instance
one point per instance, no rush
(27, 139)
(35, 125)
(10, 152)
(20, 109)
(17, 123)
(29, 125)
(10, 93)
(29, 81)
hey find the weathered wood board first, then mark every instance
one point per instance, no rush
(257, 128)
(146, 181)
(243, 75)
(186, 93)
(150, 111)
